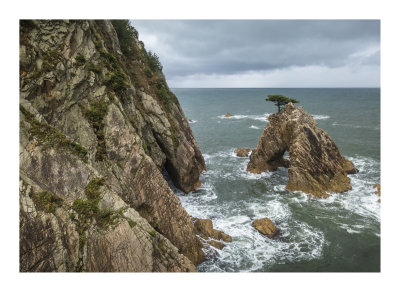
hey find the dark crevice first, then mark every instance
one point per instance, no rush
(168, 179)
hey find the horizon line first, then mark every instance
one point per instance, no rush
(359, 87)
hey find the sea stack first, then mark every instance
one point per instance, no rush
(98, 125)
(316, 166)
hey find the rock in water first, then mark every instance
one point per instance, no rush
(228, 115)
(97, 127)
(204, 228)
(316, 166)
(242, 152)
(266, 227)
(378, 189)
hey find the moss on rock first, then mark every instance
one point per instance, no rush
(47, 201)
(48, 136)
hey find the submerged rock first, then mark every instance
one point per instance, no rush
(228, 115)
(266, 227)
(316, 166)
(242, 152)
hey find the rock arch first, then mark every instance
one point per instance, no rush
(316, 166)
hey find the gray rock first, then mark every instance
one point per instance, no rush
(92, 195)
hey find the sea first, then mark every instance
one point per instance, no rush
(337, 234)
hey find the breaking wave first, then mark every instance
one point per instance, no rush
(233, 198)
(262, 117)
(321, 117)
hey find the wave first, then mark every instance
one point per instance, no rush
(355, 126)
(264, 195)
(262, 117)
(192, 121)
(298, 241)
(254, 127)
(321, 117)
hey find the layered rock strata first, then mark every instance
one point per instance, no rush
(211, 236)
(316, 166)
(97, 126)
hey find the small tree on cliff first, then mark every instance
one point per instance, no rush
(280, 100)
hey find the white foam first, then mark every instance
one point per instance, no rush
(355, 126)
(361, 199)
(233, 117)
(251, 251)
(262, 117)
(274, 210)
(299, 240)
(252, 176)
(192, 121)
(254, 127)
(321, 117)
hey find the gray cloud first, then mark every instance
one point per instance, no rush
(237, 47)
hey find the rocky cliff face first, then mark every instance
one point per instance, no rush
(98, 125)
(316, 166)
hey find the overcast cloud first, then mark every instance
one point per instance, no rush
(265, 53)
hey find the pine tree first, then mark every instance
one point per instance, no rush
(280, 100)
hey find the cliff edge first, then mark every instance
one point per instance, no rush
(98, 125)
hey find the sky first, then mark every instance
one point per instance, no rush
(265, 53)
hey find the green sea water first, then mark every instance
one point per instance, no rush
(341, 233)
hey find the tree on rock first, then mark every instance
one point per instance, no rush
(280, 100)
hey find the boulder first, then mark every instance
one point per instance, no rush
(217, 234)
(205, 230)
(349, 167)
(216, 244)
(242, 152)
(266, 227)
(316, 166)
(228, 115)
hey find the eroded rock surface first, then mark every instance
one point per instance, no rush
(204, 228)
(316, 166)
(97, 126)
(266, 226)
(242, 152)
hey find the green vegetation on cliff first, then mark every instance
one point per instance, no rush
(47, 201)
(95, 115)
(51, 137)
(88, 212)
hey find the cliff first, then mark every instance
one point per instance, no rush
(316, 166)
(98, 125)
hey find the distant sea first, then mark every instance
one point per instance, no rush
(341, 233)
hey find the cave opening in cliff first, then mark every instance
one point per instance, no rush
(167, 173)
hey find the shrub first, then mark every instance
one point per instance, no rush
(153, 62)
(47, 201)
(51, 137)
(80, 60)
(126, 34)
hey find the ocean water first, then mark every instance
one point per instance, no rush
(341, 233)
